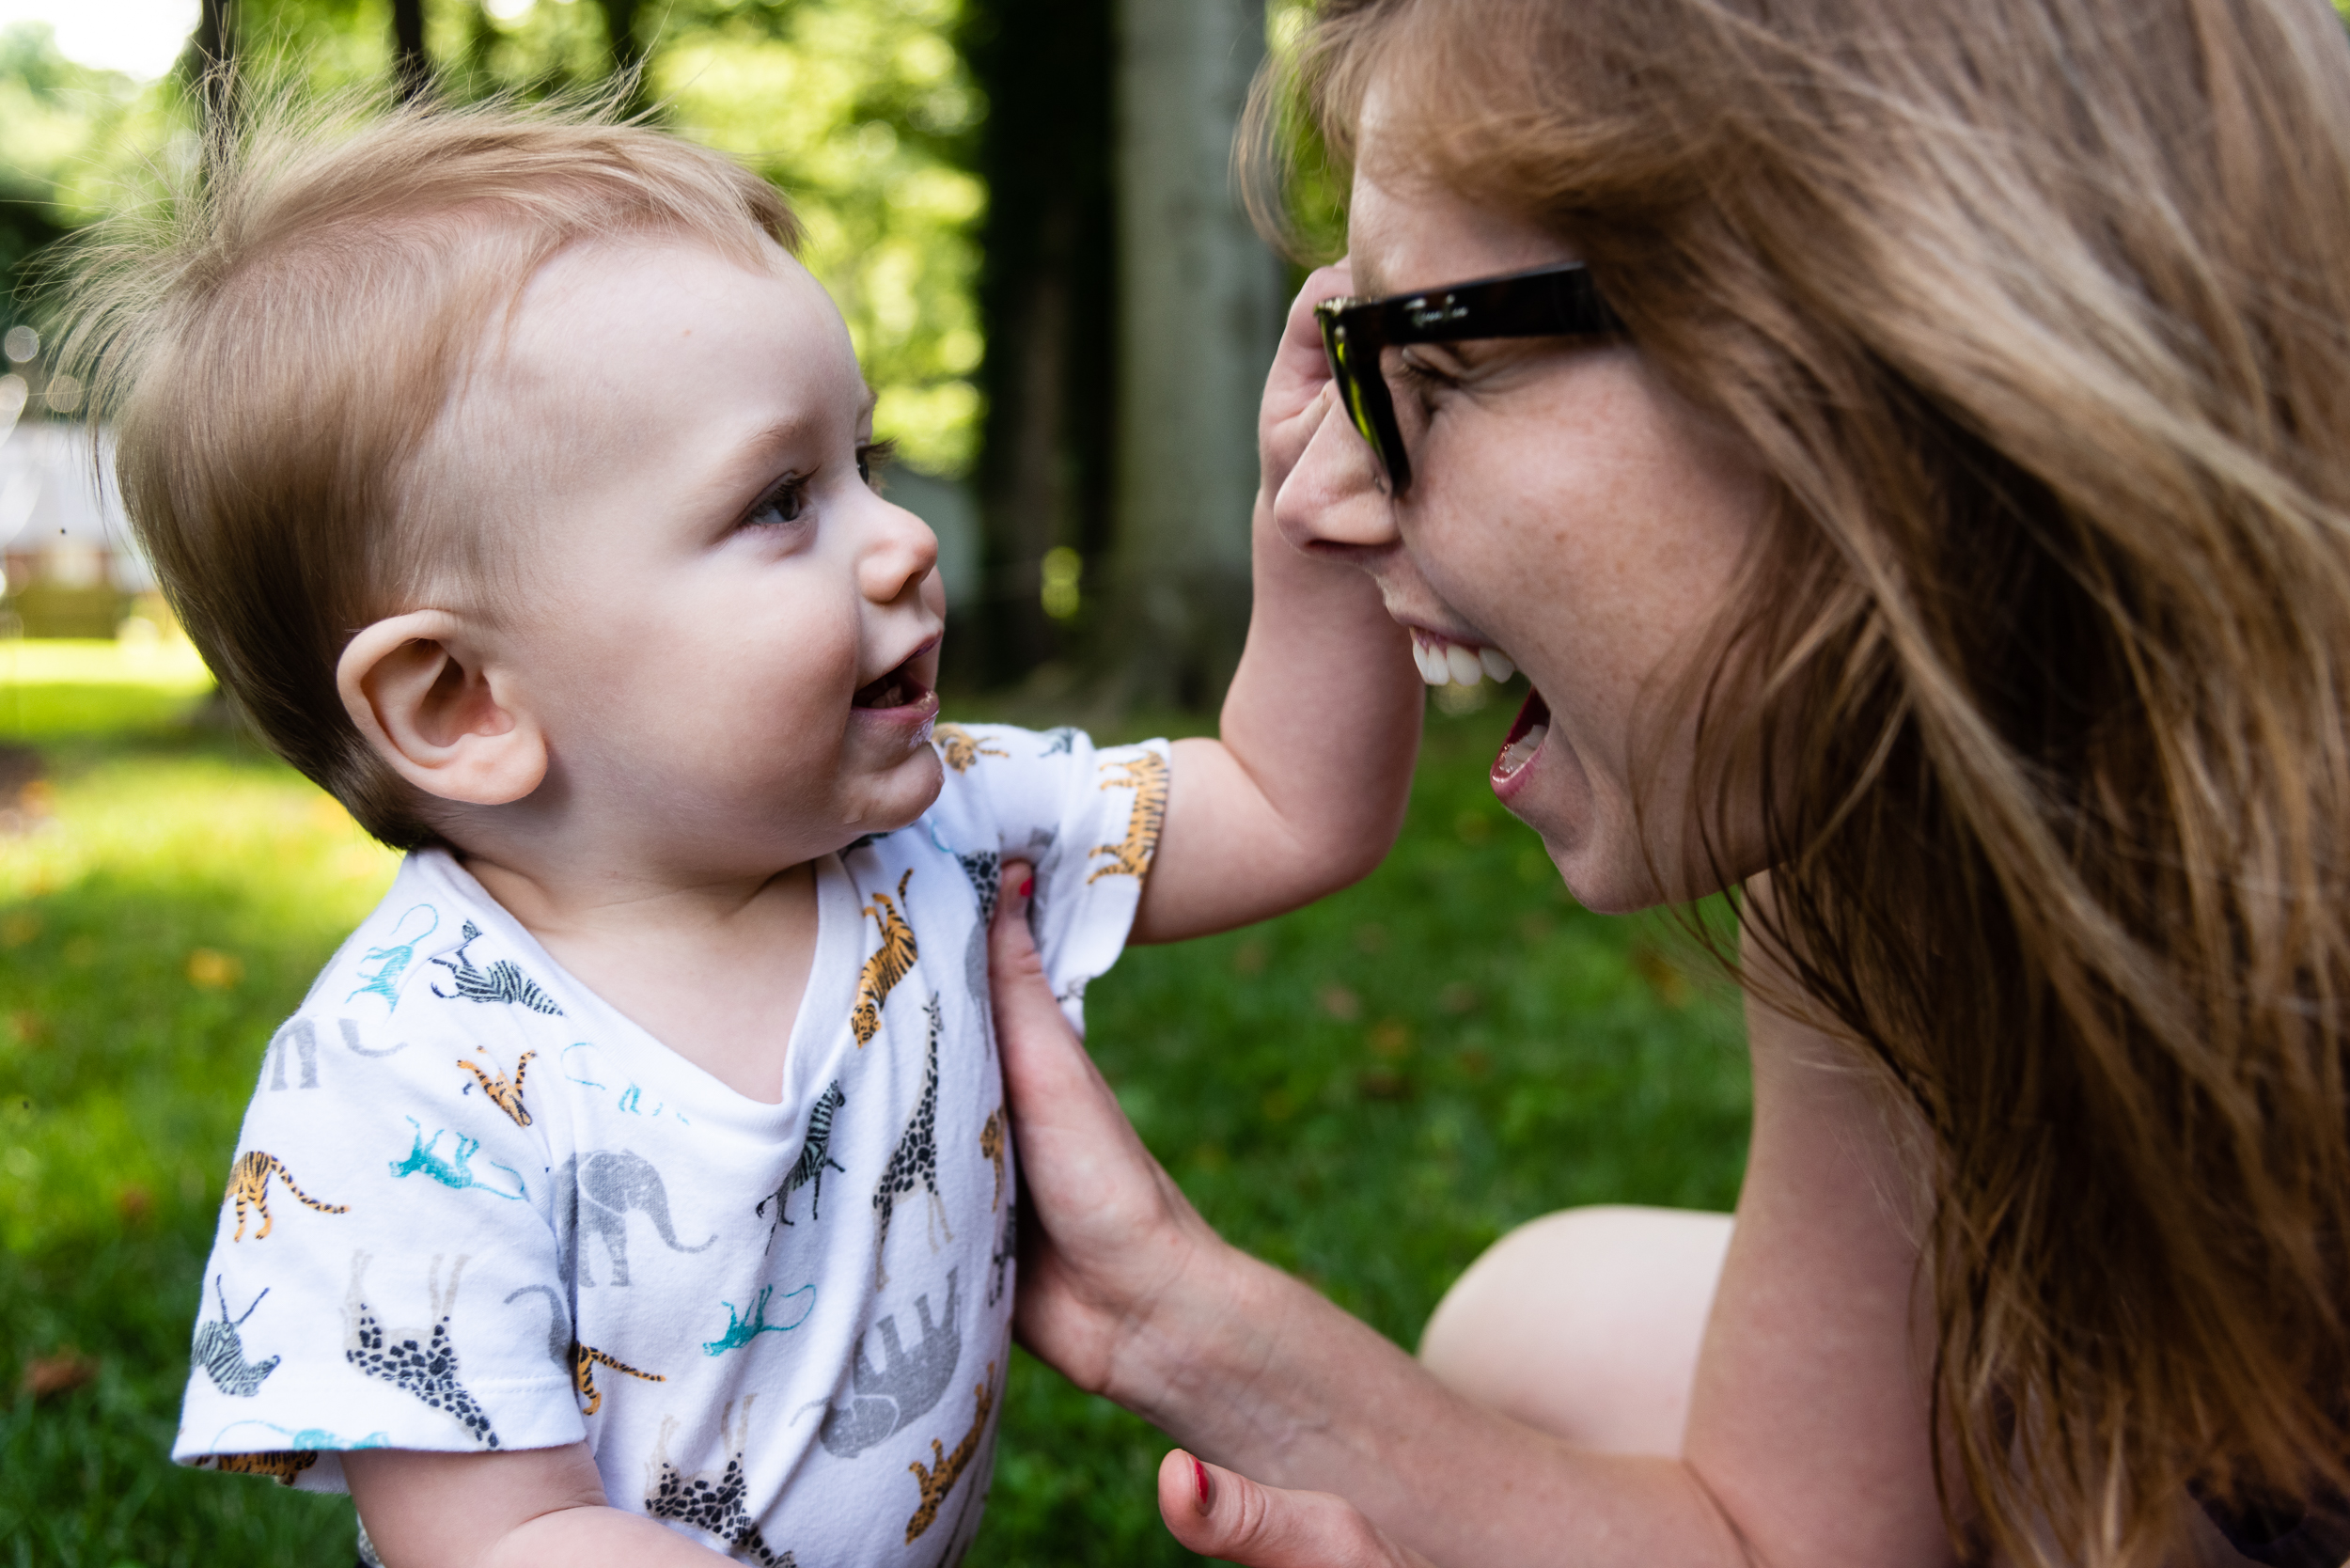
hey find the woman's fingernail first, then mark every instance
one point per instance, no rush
(1027, 886)
(1200, 1479)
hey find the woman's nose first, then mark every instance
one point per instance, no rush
(898, 561)
(1332, 503)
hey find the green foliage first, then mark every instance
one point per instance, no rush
(1367, 1092)
(861, 110)
(68, 137)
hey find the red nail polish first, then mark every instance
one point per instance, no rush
(1027, 886)
(1200, 1479)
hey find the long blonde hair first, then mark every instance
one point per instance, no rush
(2038, 314)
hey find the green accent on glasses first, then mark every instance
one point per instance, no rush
(1558, 301)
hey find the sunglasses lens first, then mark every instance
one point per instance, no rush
(1348, 376)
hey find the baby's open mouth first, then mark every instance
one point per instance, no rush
(894, 690)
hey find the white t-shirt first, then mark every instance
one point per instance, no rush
(474, 1207)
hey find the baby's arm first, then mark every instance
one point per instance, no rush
(1304, 788)
(521, 1509)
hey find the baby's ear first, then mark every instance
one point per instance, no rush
(439, 713)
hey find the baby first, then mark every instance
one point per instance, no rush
(635, 1184)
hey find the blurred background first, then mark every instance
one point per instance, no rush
(1024, 210)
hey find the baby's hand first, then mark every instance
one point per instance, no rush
(1297, 389)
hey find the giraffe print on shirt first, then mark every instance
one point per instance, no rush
(419, 1361)
(915, 1165)
(712, 1505)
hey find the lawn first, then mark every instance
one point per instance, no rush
(1366, 1092)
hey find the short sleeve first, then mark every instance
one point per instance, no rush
(1087, 818)
(384, 1272)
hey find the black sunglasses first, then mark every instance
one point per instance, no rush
(1559, 300)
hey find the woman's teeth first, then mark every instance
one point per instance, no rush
(1443, 664)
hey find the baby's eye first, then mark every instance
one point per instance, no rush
(780, 504)
(872, 457)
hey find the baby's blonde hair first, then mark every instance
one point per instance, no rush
(275, 339)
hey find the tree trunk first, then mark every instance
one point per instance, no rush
(1045, 291)
(412, 69)
(1200, 305)
(210, 63)
(628, 50)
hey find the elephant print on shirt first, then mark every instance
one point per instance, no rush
(985, 867)
(580, 1360)
(907, 1384)
(595, 1192)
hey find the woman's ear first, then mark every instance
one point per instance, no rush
(419, 690)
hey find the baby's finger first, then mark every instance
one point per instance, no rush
(1219, 1514)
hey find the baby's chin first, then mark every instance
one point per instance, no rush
(899, 802)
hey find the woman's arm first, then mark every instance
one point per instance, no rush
(1807, 1443)
(1303, 787)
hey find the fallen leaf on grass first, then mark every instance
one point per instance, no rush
(47, 1376)
(209, 969)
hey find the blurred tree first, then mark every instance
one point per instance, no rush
(411, 67)
(860, 109)
(1045, 295)
(70, 135)
(1200, 309)
(627, 48)
(865, 114)
(209, 64)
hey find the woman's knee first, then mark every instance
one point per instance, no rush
(1585, 1324)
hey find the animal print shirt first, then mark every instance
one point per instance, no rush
(474, 1208)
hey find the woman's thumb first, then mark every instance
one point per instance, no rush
(1219, 1514)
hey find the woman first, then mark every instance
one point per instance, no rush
(1930, 520)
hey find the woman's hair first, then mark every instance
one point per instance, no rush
(2038, 314)
(278, 341)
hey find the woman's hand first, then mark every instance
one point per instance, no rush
(1297, 388)
(1106, 1233)
(1220, 1515)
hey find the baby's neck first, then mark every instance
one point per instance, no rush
(713, 967)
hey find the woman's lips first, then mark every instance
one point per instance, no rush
(1520, 746)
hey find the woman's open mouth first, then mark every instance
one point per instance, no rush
(1526, 735)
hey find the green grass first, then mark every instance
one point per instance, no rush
(1367, 1092)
